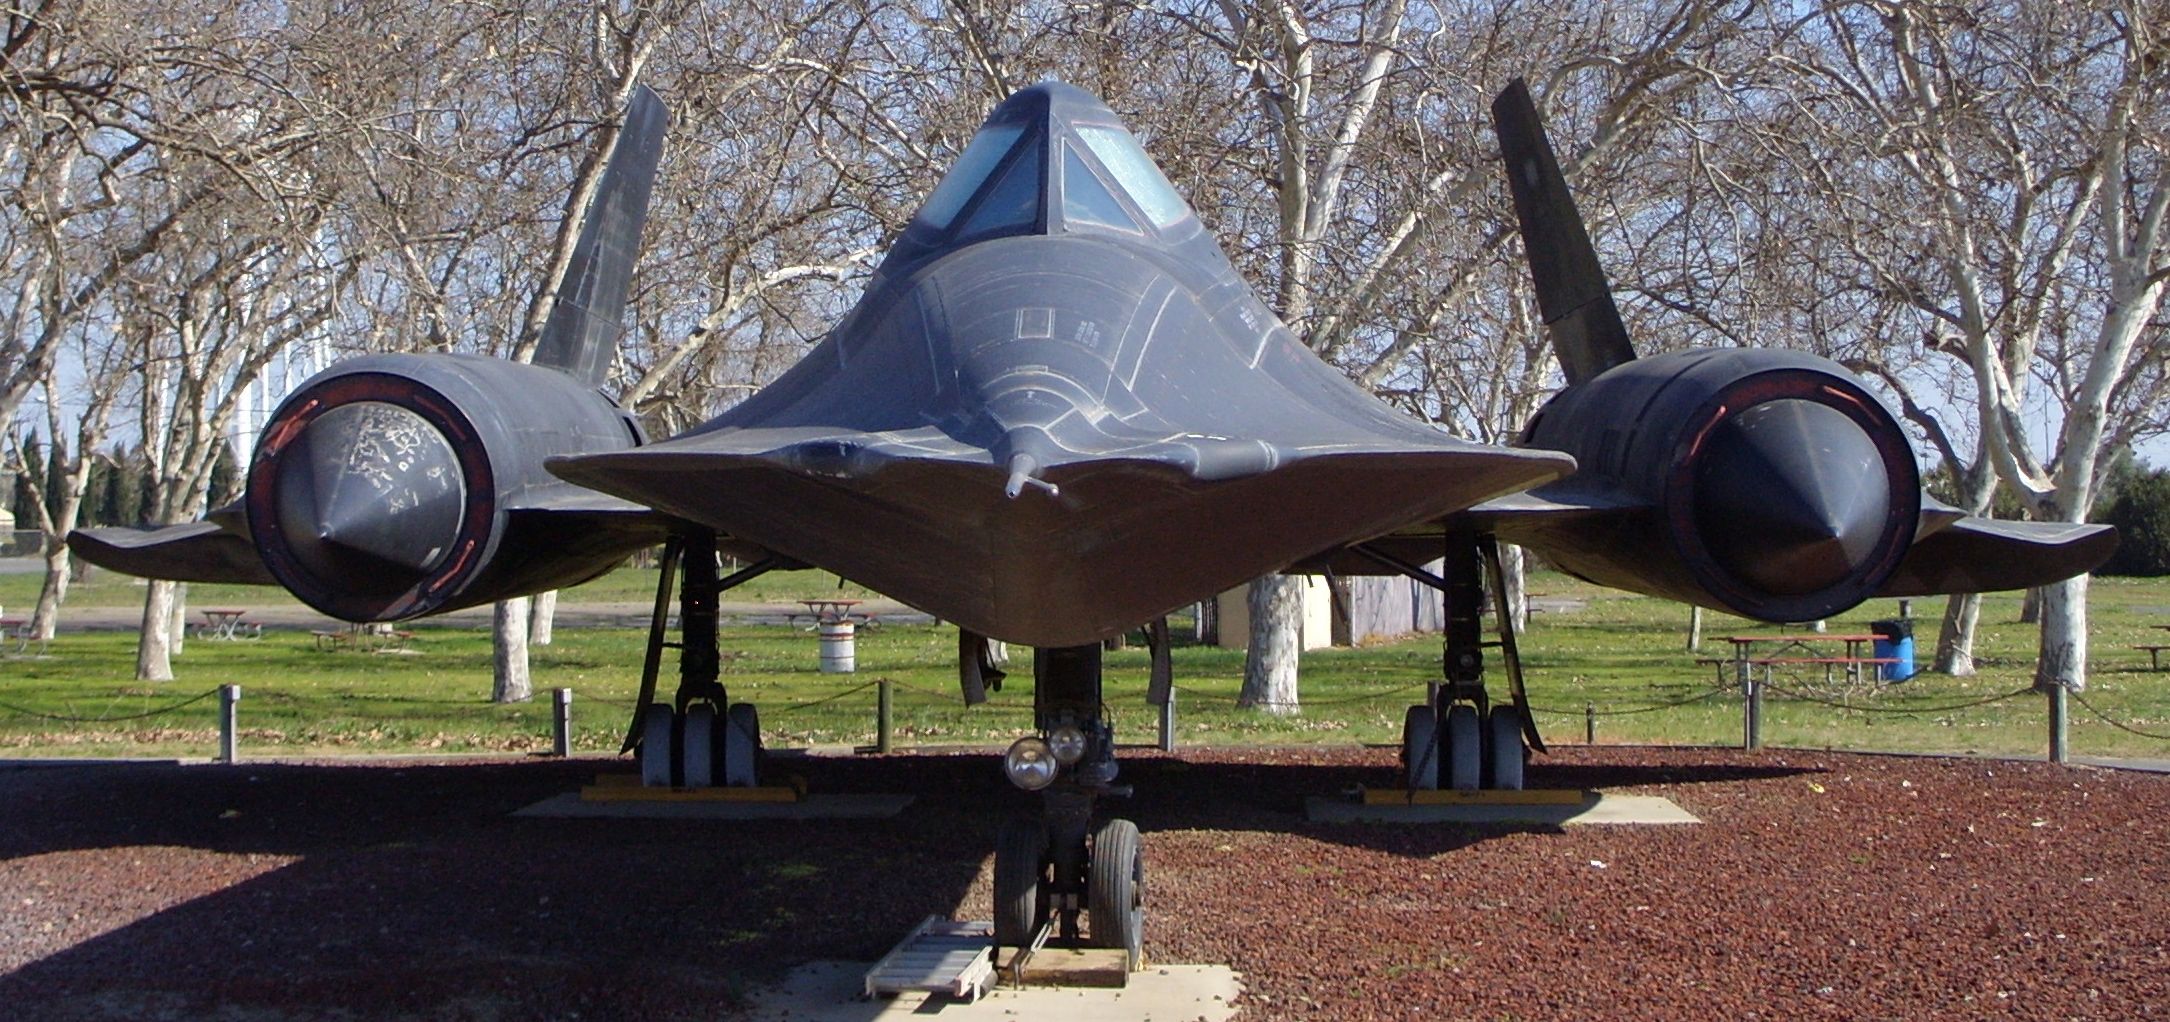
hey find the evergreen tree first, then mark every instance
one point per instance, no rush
(2141, 513)
(56, 476)
(225, 476)
(97, 493)
(33, 472)
(146, 506)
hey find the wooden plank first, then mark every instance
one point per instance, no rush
(1450, 797)
(1077, 967)
(636, 793)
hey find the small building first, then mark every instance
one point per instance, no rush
(1371, 607)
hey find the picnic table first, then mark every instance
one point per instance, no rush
(1800, 650)
(227, 623)
(377, 638)
(17, 630)
(2154, 650)
(834, 611)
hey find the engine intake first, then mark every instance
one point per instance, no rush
(1780, 489)
(385, 488)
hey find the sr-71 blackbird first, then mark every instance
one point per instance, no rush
(1057, 413)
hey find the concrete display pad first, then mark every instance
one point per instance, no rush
(1598, 809)
(812, 807)
(832, 992)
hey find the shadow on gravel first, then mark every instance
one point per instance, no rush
(412, 893)
(415, 895)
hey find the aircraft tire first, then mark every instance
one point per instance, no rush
(1463, 749)
(1115, 891)
(742, 746)
(1420, 748)
(1020, 872)
(1503, 748)
(700, 746)
(656, 724)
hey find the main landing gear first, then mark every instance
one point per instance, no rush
(1056, 875)
(1457, 739)
(700, 739)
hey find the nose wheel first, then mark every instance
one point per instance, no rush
(1115, 892)
(1029, 892)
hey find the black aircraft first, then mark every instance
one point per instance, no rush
(1056, 414)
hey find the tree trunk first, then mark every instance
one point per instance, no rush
(177, 624)
(154, 657)
(1695, 629)
(47, 616)
(1955, 639)
(1269, 666)
(2030, 608)
(542, 618)
(2062, 659)
(1514, 578)
(509, 681)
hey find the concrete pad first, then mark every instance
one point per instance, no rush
(1600, 808)
(812, 807)
(833, 992)
(1078, 967)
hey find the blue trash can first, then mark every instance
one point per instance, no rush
(1894, 641)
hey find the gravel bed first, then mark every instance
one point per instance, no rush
(1819, 886)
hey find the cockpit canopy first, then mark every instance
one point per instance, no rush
(1005, 182)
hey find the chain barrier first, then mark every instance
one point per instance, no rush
(1633, 710)
(1365, 698)
(995, 704)
(2105, 718)
(1807, 697)
(19, 711)
(794, 707)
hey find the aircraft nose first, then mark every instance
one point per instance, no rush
(349, 467)
(1792, 496)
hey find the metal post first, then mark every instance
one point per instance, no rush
(883, 713)
(229, 726)
(2059, 751)
(1167, 723)
(1589, 723)
(561, 724)
(1752, 713)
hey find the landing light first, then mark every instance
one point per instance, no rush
(1068, 744)
(1030, 764)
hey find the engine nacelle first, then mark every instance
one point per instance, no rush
(1779, 489)
(393, 486)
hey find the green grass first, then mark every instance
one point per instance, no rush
(19, 592)
(1617, 652)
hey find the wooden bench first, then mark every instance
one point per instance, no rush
(1853, 664)
(2154, 655)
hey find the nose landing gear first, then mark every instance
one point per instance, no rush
(1057, 876)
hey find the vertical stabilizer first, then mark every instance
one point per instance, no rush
(582, 332)
(1572, 293)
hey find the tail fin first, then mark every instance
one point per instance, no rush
(1572, 293)
(583, 328)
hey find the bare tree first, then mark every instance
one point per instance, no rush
(2027, 146)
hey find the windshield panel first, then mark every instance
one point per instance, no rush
(1086, 200)
(973, 165)
(1135, 172)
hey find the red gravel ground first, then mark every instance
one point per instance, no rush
(1819, 886)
